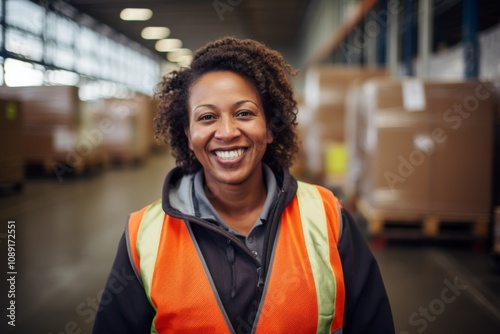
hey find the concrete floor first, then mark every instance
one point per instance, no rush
(67, 233)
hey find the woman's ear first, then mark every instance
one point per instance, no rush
(269, 136)
(186, 132)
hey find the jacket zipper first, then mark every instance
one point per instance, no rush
(177, 214)
(261, 266)
(262, 272)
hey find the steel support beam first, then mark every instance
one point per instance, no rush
(383, 21)
(425, 35)
(393, 45)
(470, 39)
(408, 38)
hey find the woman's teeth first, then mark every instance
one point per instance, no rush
(229, 155)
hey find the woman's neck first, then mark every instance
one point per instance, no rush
(239, 205)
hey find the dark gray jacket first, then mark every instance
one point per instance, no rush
(240, 279)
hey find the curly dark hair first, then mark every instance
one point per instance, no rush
(264, 67)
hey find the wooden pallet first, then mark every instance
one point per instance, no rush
(125, 159)
(396, 224)
(59, 166)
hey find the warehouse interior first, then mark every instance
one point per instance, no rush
(398, 114)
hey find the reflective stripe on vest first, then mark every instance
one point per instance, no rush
(315, 230)
(304, 290)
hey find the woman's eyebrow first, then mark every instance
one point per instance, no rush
(236, 104)
(207, 105)
(239, 103)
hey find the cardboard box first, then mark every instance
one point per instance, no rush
(46, 104)
(389, 135)
(432, 153)
(462, 177)
(326, 88)
(131, 135)
(327, 84)
(57, 127)
(61, 149)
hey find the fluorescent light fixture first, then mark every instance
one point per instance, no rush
(168, 44)
(136, 14)
(155, 32)
(60, 77)
(103, 89)
(176, 54)
(184, 61)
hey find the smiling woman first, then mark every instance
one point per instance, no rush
(228, 134)
(264, 69)
(236, 244)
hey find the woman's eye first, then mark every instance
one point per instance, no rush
(205, 117)
(244, 113)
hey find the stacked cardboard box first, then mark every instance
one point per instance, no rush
(326, 88)
(46, 104)
(56, 129)
(130, 135)
(11, 144)
(425, 146)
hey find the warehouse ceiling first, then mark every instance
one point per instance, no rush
(195, 22)
(277, 23)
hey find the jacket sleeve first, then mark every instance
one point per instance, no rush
(367, 308)
(124, 307)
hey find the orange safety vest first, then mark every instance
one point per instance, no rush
(304, 290)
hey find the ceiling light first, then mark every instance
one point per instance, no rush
(175, 55)
(136, 14)
(155, 32)
(168, 44)
(184, 61)
(62, 77)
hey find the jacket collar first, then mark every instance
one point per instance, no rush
(177, 190)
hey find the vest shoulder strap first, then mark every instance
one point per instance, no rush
(143, 239)
(321, 217)
(325, 201)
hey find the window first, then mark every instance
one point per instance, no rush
(34, 33)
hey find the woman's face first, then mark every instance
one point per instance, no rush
(227, 128)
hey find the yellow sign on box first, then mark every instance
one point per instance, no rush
(11, 111)
(336, 159)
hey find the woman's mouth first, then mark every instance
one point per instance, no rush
(229, 155)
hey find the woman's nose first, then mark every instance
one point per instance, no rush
(227, 128)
